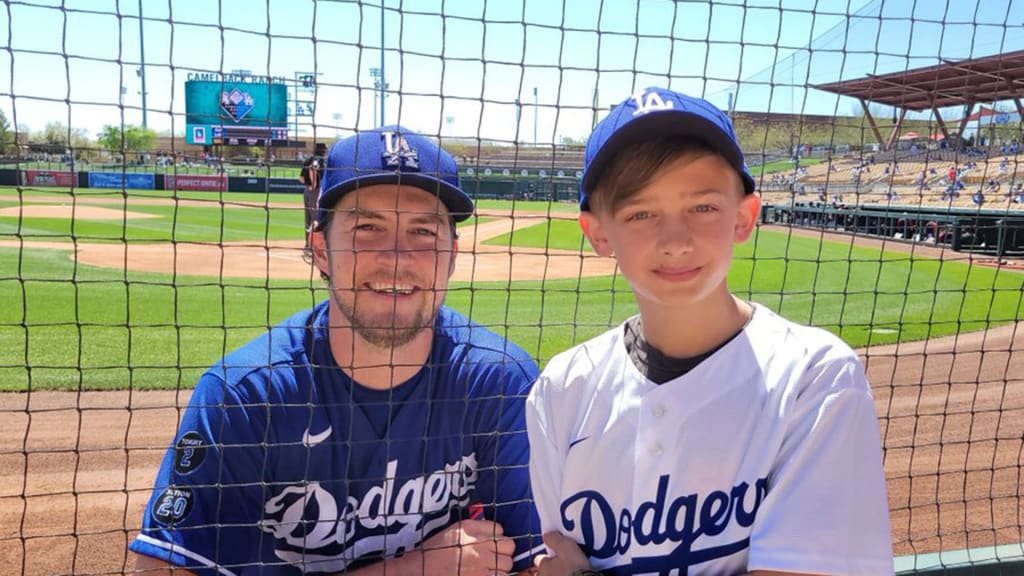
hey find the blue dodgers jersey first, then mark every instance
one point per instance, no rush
(275, 470)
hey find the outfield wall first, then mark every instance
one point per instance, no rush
(478, 185)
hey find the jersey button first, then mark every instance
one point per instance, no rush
(655, 450)
(658, 411)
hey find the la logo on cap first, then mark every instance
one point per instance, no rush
(398, 154)
(649, 101)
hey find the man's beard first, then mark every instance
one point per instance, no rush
(381, 331)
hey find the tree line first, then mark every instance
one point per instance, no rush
(60, 138)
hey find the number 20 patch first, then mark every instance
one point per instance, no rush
(172, 505)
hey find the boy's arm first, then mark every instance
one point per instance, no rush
(826, 509)
(546, 458)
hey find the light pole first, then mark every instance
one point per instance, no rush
(142, 65)
(519, 115)
(449, 120)
(535, 116)
(337, 124)
(383, 85)
(375, 73)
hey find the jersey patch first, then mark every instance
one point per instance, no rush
(189, 452)
(172, 505)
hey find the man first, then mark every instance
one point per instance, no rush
(369, 433)
(312, 172)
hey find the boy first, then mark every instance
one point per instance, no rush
(707, 435)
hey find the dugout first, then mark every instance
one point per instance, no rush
(522, 188)
(995, 232)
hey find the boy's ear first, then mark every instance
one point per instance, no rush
(591, 226)
(749, 212)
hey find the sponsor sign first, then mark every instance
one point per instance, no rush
(121, 180)
(195, 182)
(47, 178)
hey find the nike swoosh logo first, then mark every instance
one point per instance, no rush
(578, 440)
(310, 440)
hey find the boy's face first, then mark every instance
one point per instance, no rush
(389, 252)
(673, 240)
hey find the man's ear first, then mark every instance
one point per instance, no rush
(749, 211)
(318, 246)
(591, 226)
(455, 254)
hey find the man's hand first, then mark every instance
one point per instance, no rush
(565, 557)
(469, 548)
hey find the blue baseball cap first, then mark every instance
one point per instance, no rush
(652, 113)
(391, 155)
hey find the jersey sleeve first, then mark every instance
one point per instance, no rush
(546, 459)
(204, 511)
(826, 509)
(504, 483)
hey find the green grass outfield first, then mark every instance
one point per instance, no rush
(83, 327)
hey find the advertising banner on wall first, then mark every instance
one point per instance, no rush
(195, 182)
(47, 178)
(121, 180)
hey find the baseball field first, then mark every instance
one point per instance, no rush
(114, 303)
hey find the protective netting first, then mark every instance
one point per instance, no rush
(151, 217)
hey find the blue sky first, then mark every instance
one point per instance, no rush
(469, 60)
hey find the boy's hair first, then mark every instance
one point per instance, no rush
(634, 167)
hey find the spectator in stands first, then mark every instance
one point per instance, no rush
(978, 198)
(1018, 193)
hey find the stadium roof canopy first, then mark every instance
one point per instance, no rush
(952, 83)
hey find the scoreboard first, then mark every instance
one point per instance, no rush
(236, 111)
(248, 135)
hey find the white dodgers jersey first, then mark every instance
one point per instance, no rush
(766, 456)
